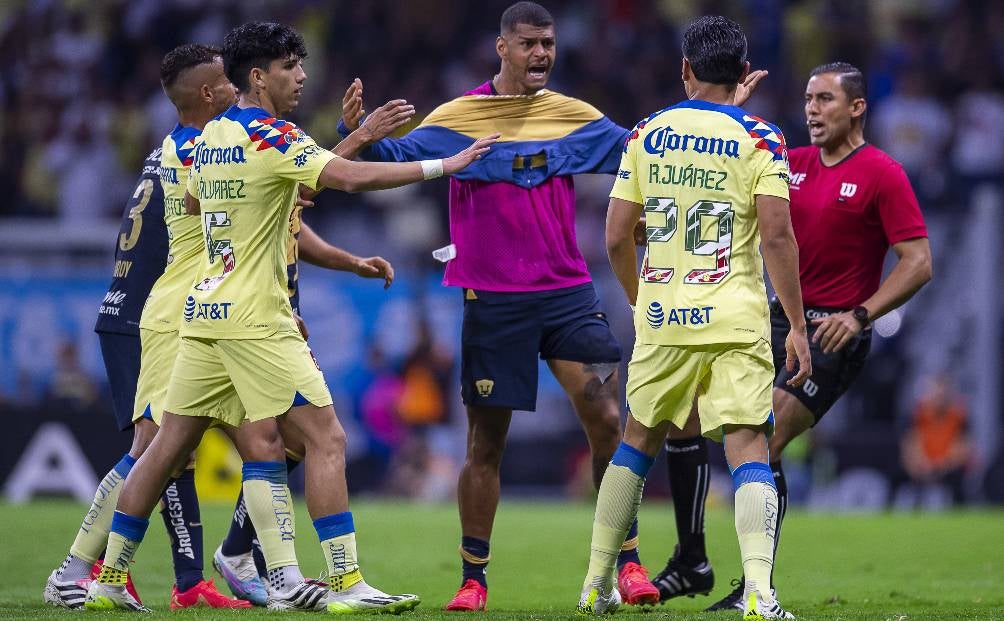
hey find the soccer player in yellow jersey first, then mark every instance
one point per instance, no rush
(239, 341)
(712, 181)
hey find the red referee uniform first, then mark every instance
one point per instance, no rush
(845, 218)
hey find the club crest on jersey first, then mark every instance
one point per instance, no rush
(847, 190)
(655, 315)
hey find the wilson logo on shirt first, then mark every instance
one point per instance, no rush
(848, 190)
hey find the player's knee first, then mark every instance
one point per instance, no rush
(144, 431)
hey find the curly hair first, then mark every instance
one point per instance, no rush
(257, 44)
(185, 57)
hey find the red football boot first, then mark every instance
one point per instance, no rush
(472, 597)
(204, 594)
(635, 587)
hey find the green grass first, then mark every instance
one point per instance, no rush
(838, 567)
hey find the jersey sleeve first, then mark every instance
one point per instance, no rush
(898, 208)
(626, 183)
(302, 160)
(775, 175)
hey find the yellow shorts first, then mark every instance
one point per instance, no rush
(732, 382)
(211, 376)
(155, 363)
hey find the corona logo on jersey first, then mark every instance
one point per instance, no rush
(485, 387)
(655, 315)
(662, 139)
(210, 156)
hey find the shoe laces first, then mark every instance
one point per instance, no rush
(245, 568)
(633, 572)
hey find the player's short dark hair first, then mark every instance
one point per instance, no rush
(851, 78)
(529, 13)
(715, 46)
(185, 57)
(257, 44)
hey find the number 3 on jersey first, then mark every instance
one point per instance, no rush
(664, 211)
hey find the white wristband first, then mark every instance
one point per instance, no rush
(432, 168)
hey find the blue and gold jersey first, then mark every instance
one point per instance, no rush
(140, 254)
(696, 169)
(164, 305)
(246, 171)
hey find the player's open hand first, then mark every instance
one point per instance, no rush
(352, 105)
(376, 267)
(386, 119)
(745, 90)
(835, 331)
(796, 346)
(461, 160)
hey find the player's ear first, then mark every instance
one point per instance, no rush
(206, 93)
(500, 47)
(858, 108)
(257, 78)
(685, 72)
(745, 73)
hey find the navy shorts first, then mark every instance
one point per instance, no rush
(832, 373)
(121, 356)
(504, 333)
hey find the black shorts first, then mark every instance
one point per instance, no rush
(832, 374)
(503, 334)
(121, 356)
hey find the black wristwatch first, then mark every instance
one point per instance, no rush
(861, 314)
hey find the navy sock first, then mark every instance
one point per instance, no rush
(687, 461)
(782, 507)
(180, 511)
(474, 554)
(630, 555)
(242, 538)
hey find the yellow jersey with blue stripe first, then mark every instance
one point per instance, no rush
(696, 168)
(246, 171)
(163, 309)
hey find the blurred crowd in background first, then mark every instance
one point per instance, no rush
(81, 107)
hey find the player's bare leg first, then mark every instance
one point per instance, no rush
(688, 572)
(592, 389)
(478, 500)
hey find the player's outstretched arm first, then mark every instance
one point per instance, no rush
(378, 125)
(622, 217)
(316, 251)
(780, 255)
(349, 176)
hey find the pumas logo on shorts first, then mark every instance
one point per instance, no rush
(485, 387)
(655, 315)
(189, 309)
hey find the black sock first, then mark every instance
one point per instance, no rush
(688, 481)
(242, 538)
(782, 507)
(474, 555)
(184, 528)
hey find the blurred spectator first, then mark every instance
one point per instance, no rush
(978, 147)
(426, 375)
(935, 450)
(914, 127)
(71, 386)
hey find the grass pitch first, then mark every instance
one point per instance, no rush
(838, 567)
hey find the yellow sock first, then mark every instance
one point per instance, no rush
(340, 554)
(616, 507)
(118, 555)
(756, 515)
(270, 506)
(93, 534)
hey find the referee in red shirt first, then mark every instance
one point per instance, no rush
(849, 203)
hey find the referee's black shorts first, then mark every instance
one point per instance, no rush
(832, 373)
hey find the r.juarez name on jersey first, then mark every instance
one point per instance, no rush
(691, 167)
(140, 253)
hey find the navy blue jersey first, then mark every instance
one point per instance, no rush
(140, 254)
